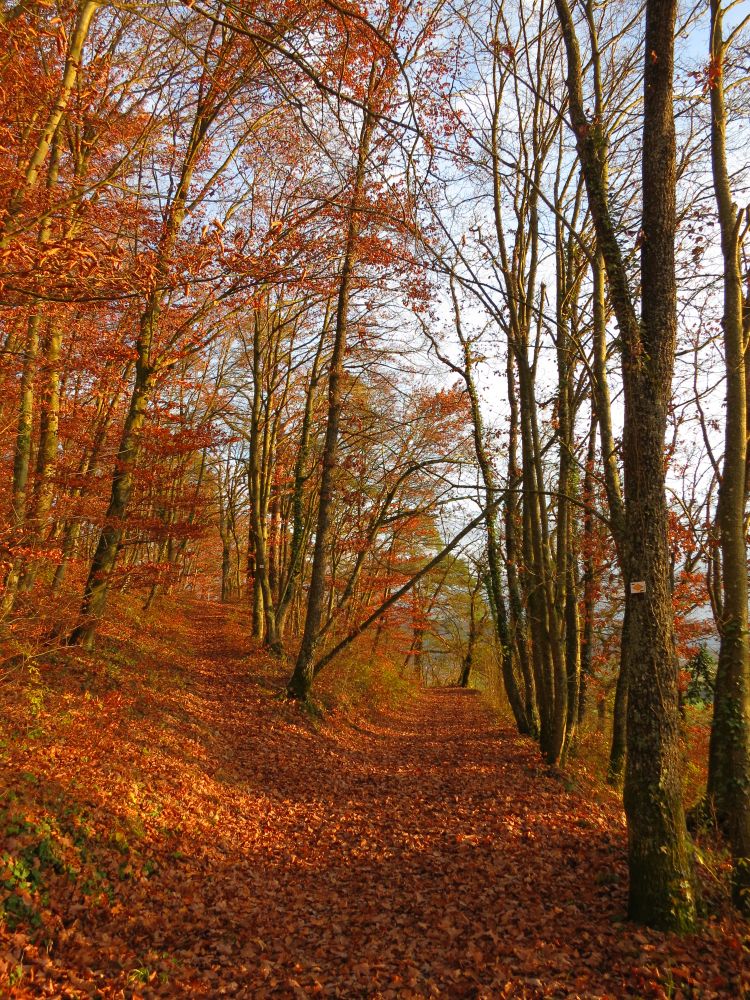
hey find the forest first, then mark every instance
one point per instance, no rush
(374, 512)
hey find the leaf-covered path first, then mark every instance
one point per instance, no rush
(423, 853)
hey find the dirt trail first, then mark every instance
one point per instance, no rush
(426, 853)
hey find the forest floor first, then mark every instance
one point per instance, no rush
(170, 828)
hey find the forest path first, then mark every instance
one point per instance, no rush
(423, 853)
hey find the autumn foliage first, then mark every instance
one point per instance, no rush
(323, 346)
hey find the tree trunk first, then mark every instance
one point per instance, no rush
(661, 877)
(729, 755)
(24, 435)
(110, 539)
(35, 163)
(302, 676)
(615, 503)
(618, 745)
(661, 890)
(264, 612)
(493, 542)
(517, 618)
(299, 527)
(589, 582)
(468, 661)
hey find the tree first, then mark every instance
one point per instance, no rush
(729, 757)
(661, 889)
(376, 93)
(222, 60)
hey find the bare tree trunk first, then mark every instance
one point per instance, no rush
(589, 591)
(603, 409)
(299, 527)
(264, 617)
(517, 617)
(302, 676)
(615, 503)
(661, 877)
(729, 756)
(493, 542)
(471, 639)
(97, 584)
(618, 745)
(22, 458)
(662, 891)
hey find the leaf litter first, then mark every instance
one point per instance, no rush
(181, 832)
